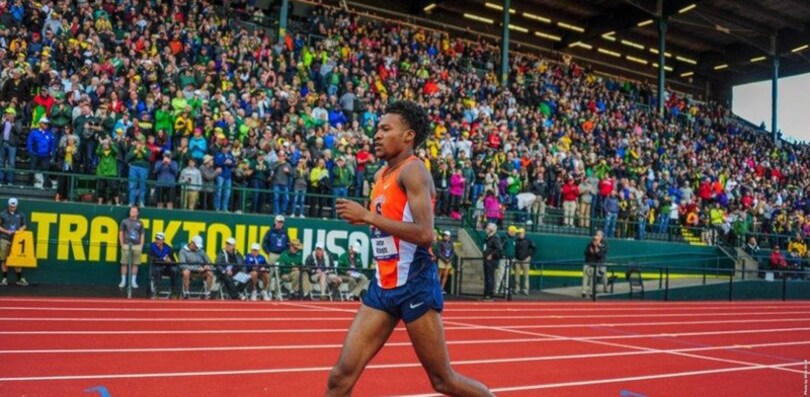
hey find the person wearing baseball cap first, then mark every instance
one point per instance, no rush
(508, 242)
(228, 263)
(208, 176)
(258, 267)
(275, 240)
(322, 265)
(166, 172)
(41, 146)
(11, 222)
(193, 259)
(445, 253)
(10, 133)
(161, 257)
(524, 251)
(290, 268)
(351, 267)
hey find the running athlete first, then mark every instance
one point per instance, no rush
(407, 285)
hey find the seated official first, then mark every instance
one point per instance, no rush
(257, 267)
(350, 266)
(290, 267)
(161, 263)
(797, 251)
(323, 269)
(229, 263)
(194, 261)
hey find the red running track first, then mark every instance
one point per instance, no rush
(68, 347)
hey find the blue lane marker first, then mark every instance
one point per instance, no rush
(628, 393)
(101, 390)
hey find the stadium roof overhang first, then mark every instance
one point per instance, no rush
(721, 42)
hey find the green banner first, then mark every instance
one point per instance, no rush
(78, 243)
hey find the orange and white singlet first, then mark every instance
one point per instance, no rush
(394, 256)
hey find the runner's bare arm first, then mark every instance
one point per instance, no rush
(418, 185)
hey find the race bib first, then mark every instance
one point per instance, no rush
(383, 246)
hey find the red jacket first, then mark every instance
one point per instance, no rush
(570, 192)
(705, 191)
(777, 260)
(605, 187)
(47, 103)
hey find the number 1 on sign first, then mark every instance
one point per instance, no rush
(19, 255)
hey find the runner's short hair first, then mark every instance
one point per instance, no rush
(414, 116)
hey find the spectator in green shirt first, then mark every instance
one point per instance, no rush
(351, 267)
(289, 265)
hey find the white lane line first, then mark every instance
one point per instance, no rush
(621, 345)
(343, 330)
(302, 369)
(252, 347)
(191, 331)
(391, 344)
(171, 319)
(159, 310)
(633, 315)
(625, 379)
(472, 304)
(446, 318)
(663, 323)
(308, 308)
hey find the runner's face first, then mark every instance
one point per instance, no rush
(392, 136)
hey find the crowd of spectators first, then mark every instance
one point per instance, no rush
(175, 93)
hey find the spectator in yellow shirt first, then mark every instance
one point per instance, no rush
(797, 250)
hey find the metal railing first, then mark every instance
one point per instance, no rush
(241, 196)
(556, 223)
(674, 279)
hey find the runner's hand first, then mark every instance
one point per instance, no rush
(351, 211)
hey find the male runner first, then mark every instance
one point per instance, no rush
(407, 284)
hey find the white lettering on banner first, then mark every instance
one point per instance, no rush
(332, 245)
(336, 242)
(77, 238)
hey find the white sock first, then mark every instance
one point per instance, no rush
(133, 279)
(123, 279)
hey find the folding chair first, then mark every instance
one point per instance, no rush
(156, 287)
(634, 279)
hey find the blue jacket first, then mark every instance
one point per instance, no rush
(197, 147)
(219, 161)
(41, 143)
(611, 205)
(255, 263)
(275, 241)
(17, 12)
(157, 254)
(166, 175)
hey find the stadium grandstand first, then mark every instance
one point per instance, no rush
(200, 106)
(587, 145)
